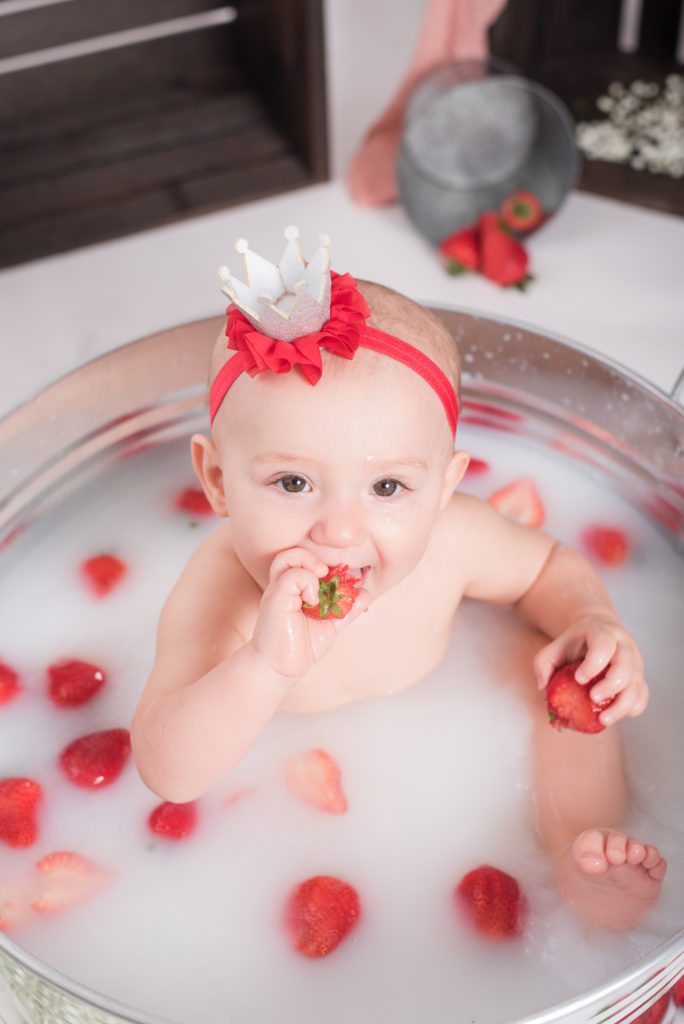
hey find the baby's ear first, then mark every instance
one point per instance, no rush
(453, 474)
(209, 473)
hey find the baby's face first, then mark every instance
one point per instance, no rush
(355, 469)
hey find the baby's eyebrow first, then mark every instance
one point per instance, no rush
(287, 457)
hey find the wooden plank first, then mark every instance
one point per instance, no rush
(43, 27)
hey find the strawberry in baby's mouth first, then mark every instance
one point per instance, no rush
(336, 593)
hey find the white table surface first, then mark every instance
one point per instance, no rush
(608, 275)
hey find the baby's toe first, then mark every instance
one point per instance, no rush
(616, 848)
(589, 851)
(636, 852)
(654, 863)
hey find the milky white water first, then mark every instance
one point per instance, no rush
(438, 780)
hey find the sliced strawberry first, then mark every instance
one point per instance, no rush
(492, 901)
(9, 683)
(19, 800)
(173, 821)
(569, 702)
(504, 260)
(520, 502)
(678, 992)
(66, 878)
(522, 211)
(193, 501)
(320, 913)
(73, 682)
(102, 573)
(98, 759)
(314, 777)
(607, 544)
(336, 595)
(476, 467)
(462, 250)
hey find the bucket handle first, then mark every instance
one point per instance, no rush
(677, 392)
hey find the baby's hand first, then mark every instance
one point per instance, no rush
(287, 639)
(599, 641)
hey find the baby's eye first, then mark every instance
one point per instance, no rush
(292, 483)
(387, 488)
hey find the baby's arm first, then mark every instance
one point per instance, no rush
(562, 595)
(212, 690)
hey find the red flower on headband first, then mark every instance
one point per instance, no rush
(340, 335)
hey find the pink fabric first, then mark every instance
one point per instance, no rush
(452, 30)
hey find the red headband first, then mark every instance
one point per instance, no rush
(342, 334)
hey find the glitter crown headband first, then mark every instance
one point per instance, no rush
(283, 315)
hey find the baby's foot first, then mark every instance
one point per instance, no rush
(611, 878)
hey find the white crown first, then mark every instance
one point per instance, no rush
(287, 301)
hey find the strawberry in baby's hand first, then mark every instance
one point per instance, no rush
(67, 878)
(19, 800)
(520, 502)
(492, 901)
(320, 913)
(607, 544)
(72, 683)
(314, 778)
(569, 703)
(504, 260)
(173, 821)
(193, 501)
(522, 211)
(9, 683)
(462, 250)
(98, 759)
(336, 595)
(102, 573)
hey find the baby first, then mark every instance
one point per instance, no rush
(349, 458)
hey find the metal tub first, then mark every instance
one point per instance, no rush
(626, 431)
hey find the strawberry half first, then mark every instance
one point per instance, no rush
(102, 573)
(504, 260)
(569, 703)
(607, 544)
(522, 211)
(19, 800)
(462, 250)
(66, 878)
(336, 595)
(314, 778)
(98, 759)
(173, 821)
(193, 501)
(9, 683)
(492, 901)
(520, 502)
(320, 913)
(72, 682)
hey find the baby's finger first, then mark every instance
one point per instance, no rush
(621, 706)
(559, 652)
(296, 558)
(295, 586)
(642, 699)
(622, 672)
(600, 649)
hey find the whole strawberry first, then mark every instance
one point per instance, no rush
(504, 260)
(336, 595)
(461, 251)
(19, 800)
(569, 703)
(522, 211)
(102, 573)
(9, 683)
(492, 902)
(73, 682)
(607, 544)
(98, 759)
(320, 913)
(173, 821)
(194, 502)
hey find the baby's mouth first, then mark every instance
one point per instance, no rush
(360, 575)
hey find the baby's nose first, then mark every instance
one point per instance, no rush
(341, 525)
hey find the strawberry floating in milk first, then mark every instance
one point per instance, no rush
(9, 683)
(98, 759)
(320, 914)
(103, 573)
(72, 682)
(19, 801)
(492, 902)
(314, 778)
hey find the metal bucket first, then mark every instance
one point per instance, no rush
(627, 431)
